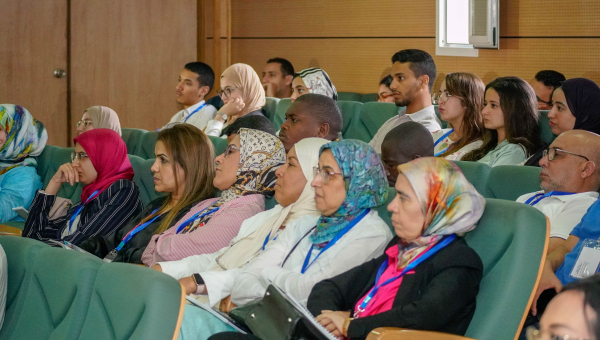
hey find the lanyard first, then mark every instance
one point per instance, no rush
(79, 210)
(446, 241)
(196, 110)
(339, 235)
(267, 240)
(535, 199)
(136, 230)
(195, 217)
(440, 140)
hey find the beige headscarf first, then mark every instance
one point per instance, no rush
(104, 118)
(242, 251)
(243, 77)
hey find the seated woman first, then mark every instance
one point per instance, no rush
(349, 181)
(245, 174)
(460, 101)
(21, 138)
(109, 198)
(384, 93)
(575, 105)
(510, 117)
(99, 117)
(182, 172)
(296, 199)
(312, 80)
(434, 203)
(243, 95)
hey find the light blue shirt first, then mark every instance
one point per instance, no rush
(17, 189)
(505, 154)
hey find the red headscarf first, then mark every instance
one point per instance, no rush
(108, 154)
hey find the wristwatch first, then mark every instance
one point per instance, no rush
(222, 115)
(198, 279)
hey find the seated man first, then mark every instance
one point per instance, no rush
(569, 183)
(413, 73)
(311, 115)
(195, 81)
(277, 78)
(544, 83)
(254, 122)
(404, 143)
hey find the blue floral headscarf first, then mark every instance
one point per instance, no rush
(366, 187)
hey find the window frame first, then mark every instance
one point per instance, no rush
(443, 48)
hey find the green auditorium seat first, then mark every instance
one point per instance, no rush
(270, 202)
(511, 239)
(220, 144)
(544, 122)
(48, 163)
(369, 97)
(270, 107)
(476, 173)
(279, 117)
(132, 139)
(144, 178)
(146, 149)
(382, 210)
(439, 115)
(508, 182)
(350, 96)
(370, 119)
(350, 112)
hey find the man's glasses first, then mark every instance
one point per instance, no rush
(227, 92)
(551, 153)
(324, 174)
(440, 96)
(78, 156)
(544, 102)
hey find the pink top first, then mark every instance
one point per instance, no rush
(214, 235)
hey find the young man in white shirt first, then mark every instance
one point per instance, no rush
(413, 73)
(277, 78)
(570, 180)
(195, 81)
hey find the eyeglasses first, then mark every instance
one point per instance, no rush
(535, 334)
(440, 95)
(227, 92)
(324, 174)
(85, 123)
(551, 153)
(229, 150)
(383, 96)
(544, 102)
(78, 156)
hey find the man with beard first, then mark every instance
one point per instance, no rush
(413, 73)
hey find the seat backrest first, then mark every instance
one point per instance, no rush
(352, 96)
(511, 240)
(270, 202)
(350, 112)
(132, 302)
(132, 139)
(546, 131)
(146, 148)
(476, 173)
(370, 119)
(508, 182)
(282, 107)
(384, 213)
(369, 97)
(439, 116)
(48, 163)
(270, 107)
(144, 178)
(219, 144)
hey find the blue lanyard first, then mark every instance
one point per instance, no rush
(339, 235)
(196, 110)
(267, 240)
(136, 230)
(446, 241)
(440, 140)
(79, 210)
(195, 217)
(535, 199)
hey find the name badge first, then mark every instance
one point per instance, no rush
(588, 259)
(110, 257)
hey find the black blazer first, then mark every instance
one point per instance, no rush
(439, 296)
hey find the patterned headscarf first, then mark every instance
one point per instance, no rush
(366, 187)
(104, 118)
(450, 203)
(25, 137)
(317, 81)
(261, 154)
(244, 77)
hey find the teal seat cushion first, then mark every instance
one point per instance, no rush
(270, 107)
(508, 182)
(370, 119)
(282, 107)
(544, 123)
(270, 202)
(144, 178)
(476, 173)
(369, 97)
(384, 213)
(48, 163)
(132, 139)
(350, 112)
(219, 144)
(146, 149)
(439, 116)
(352, 96)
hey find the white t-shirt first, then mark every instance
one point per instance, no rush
(426, 117)
(563, 211)
(443, 144)
(199, 119)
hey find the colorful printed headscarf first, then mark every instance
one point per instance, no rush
(104, 118)
(261, 154)
(25, 137)
(318, 81)
(244, 77)
(366, 187)
(449, 201)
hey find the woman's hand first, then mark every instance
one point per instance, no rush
(333, 321)
(233, 108)
(548, 280)
(66, 173)
(157, 267)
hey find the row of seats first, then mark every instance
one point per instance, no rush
(358, 97)
(54, 293)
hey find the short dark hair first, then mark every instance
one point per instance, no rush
(550, 78)
(421, 63)
(410, 139)
(324, 110)
(206, 75)
(387, 81)
(590, 287)
(254, 122)
(286, 67)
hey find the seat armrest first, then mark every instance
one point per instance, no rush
(391, 333)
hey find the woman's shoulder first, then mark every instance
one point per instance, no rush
(373, 225)
(248, 201)
(120, 187)
(23, 172)
(459, 254)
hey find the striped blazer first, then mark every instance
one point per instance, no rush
(104, 214)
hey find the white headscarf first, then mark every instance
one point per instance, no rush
(318, 81)
(242, 251)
